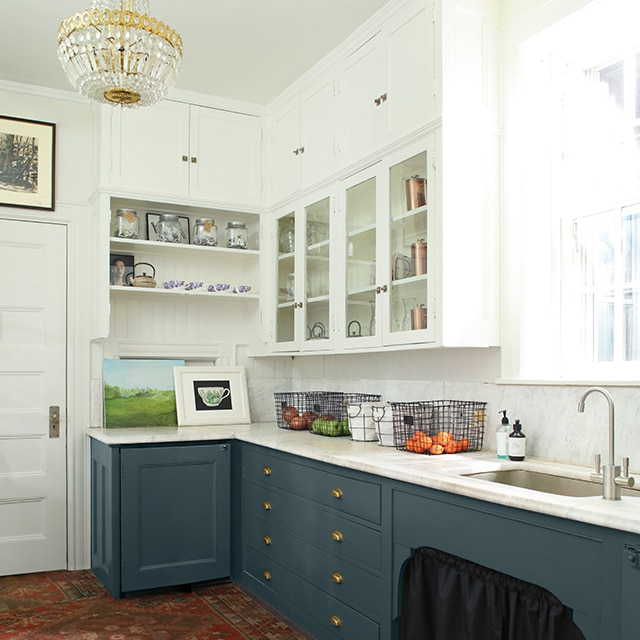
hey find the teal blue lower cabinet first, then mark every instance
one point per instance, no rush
(581, 564)
(295, 533)
(160, 514)
(312, 544)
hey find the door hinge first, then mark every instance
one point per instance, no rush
(633, 555)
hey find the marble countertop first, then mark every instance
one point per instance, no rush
(437, 472)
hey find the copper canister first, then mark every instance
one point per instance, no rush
(416, 188)
(419, 317)
(419, 257)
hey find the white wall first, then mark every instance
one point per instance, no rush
(74, 155)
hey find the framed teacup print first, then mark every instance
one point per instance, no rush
(27, 163)
(211, 395)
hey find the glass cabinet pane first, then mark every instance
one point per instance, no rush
(408, 210)
(285, 321)
(362, 239)
(317, 263)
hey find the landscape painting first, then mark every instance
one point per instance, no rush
(139, 393)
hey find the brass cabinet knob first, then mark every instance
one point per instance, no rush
(266, 575)
(335, 621)
(337, 577)
(266, 471)
(267, 540)
(337, 493)
(337, 536)
(266, 505)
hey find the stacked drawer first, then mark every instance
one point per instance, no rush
(311, 539)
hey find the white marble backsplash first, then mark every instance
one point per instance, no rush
(548, 413)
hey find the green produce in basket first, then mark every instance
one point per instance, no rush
(331, 427)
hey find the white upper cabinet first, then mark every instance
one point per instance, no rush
(387, 83)
(176, 150)
(302, 139)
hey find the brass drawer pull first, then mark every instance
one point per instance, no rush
(337, 577)
(266, 575)
(267, 540)
(337, 493)
(335, 621)
(266, 471)
(337, 536)
(266, 505)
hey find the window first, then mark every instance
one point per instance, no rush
(575, 219)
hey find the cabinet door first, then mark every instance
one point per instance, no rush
(316, 276)
(361, 205)
(287, 296)
(318, 130)
(285, 151)
(175, 519)
(225, 156)
(362, 88)
(150, 149)
(410, 72)
(410, 278)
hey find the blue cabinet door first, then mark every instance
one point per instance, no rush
(175, 514)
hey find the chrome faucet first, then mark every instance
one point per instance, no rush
(609, 474)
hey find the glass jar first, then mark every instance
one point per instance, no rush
(288, 237)
(237, 235)
(205, 232)
(168, 228)
(126, 224)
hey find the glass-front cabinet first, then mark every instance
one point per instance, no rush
(409, 278)
(303, 275)
(388, 225)
(354, 265)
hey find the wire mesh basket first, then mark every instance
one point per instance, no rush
(439, 426)
(294, 406)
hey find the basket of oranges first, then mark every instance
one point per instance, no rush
(437, 427)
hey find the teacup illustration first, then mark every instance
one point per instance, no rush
(213, 396)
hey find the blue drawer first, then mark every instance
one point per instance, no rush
(335, 576)
(332, 532)
(345, 493)
(337, 618)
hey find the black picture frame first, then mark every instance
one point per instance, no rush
(27, 163)
(185, 223)
(114, 277)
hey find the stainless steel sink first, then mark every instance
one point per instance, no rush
(546, 483)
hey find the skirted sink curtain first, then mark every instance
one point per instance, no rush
(448, 598)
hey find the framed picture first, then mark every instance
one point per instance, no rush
(139, 393)
(211, 395)
(183, 235)
(121, 269)
(27, 163)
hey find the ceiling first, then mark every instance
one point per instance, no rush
(248, 50)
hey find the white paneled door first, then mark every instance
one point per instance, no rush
(33, 303)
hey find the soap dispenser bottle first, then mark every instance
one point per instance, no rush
(502, 437)
(517, 443)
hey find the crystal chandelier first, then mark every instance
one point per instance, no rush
(115, 53)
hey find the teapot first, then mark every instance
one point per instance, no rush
(144, 280)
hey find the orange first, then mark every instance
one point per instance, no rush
(443, 437)
(422, 438)
(436, 449)
(464, 444)
(452, 446)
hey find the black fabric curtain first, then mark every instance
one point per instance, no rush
(448, 598)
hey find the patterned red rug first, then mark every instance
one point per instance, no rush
(75, 606)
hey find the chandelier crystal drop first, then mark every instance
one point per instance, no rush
(115, 53)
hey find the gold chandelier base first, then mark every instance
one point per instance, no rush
(121, 96)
